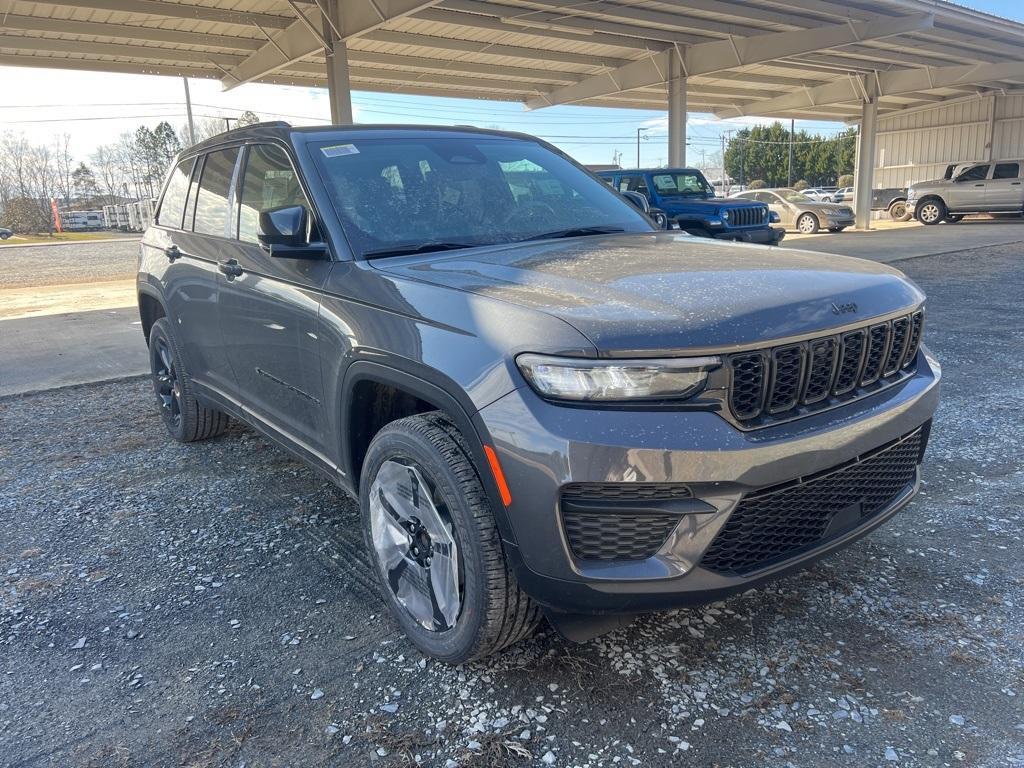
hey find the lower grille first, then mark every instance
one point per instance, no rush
(777, 523)
(616, 537)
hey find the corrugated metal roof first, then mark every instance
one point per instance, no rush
(525, 49)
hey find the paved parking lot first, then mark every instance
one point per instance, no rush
(211, 605)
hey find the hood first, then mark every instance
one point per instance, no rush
(932, 183)
(664, 293)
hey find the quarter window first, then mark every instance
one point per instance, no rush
(214, 191)
(269, 182)
(173, 204)
(633, 184)
(1006, 171)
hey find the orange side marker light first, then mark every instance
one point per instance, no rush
(499, 476)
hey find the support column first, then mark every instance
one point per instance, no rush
(676, 111)
(339, 89)
(864, 172)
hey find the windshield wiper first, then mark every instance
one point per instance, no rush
(575, 232)
(407, 250)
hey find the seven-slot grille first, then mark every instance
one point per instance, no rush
(774, 383)
(750, 216)
(777, 523)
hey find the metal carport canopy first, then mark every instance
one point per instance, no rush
(813, 59)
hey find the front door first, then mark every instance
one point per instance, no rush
(968, 191)
(787, 217)
(1004, 191)
(269, 306)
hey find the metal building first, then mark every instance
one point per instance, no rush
(917, 144)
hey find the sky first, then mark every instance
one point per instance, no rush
(94, 108)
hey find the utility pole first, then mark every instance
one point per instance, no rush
(188, 111)
(638, 144)
(792, 124)
(723, 136)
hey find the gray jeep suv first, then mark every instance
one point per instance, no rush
(545, 406)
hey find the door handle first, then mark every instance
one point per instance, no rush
(979, 185)
(1014, 183)
(231, 268)
(172, 253)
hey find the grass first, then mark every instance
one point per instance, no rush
(63, 237)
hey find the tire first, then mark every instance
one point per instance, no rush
(953, 218)
(807, 224)
(931, 211)
(187, 420)
(898, 211)
(4, 236)
(836, 229)
(491, 611)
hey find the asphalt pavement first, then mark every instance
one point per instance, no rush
(212, 605)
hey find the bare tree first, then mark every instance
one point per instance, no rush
(107, 171)
(63, 167)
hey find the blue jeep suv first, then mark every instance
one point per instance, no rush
(689, 202)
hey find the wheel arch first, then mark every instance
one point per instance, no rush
(151, 308)
(376, 394)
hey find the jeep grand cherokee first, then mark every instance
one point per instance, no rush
(544, 406)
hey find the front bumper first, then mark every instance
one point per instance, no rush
(763, 236)
(543, 446)
(839, 221)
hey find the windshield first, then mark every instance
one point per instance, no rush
(682, 184)
(438, 193)
(792, 196)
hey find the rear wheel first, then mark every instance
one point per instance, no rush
(807, 224)
(186, 419)
(429, 528)
(931, 211)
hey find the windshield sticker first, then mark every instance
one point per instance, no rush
(339, 150)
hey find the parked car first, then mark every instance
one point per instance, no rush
(5, 233)
(544, 405)
(994, 187)
(821, 194)
(799, 212)
(689, 202)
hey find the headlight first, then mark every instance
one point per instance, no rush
(581, 379)
(725, 215)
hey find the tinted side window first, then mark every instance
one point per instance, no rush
(977, 173)
(193, 192)
(214, 188)
(269, 182)
(1006, 171)
(174, 198)
(633, 184)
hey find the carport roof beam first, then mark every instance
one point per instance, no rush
(706, 58)
(297, 41)
(892, 83)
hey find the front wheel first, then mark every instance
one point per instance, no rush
(898, 211)
(807, 224)
(429, 528)
(931, 211)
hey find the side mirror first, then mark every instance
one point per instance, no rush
(638, 201)
(285, 232)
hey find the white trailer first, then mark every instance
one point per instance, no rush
(81, 221)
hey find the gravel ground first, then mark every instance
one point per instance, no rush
(84, 262)
(211, 605)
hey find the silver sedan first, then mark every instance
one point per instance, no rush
(799, 212)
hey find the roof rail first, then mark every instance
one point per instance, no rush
(267, 124)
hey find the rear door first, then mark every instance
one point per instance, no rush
(179, 262)
(1004, 190)
(269, 306)
(968, 192)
